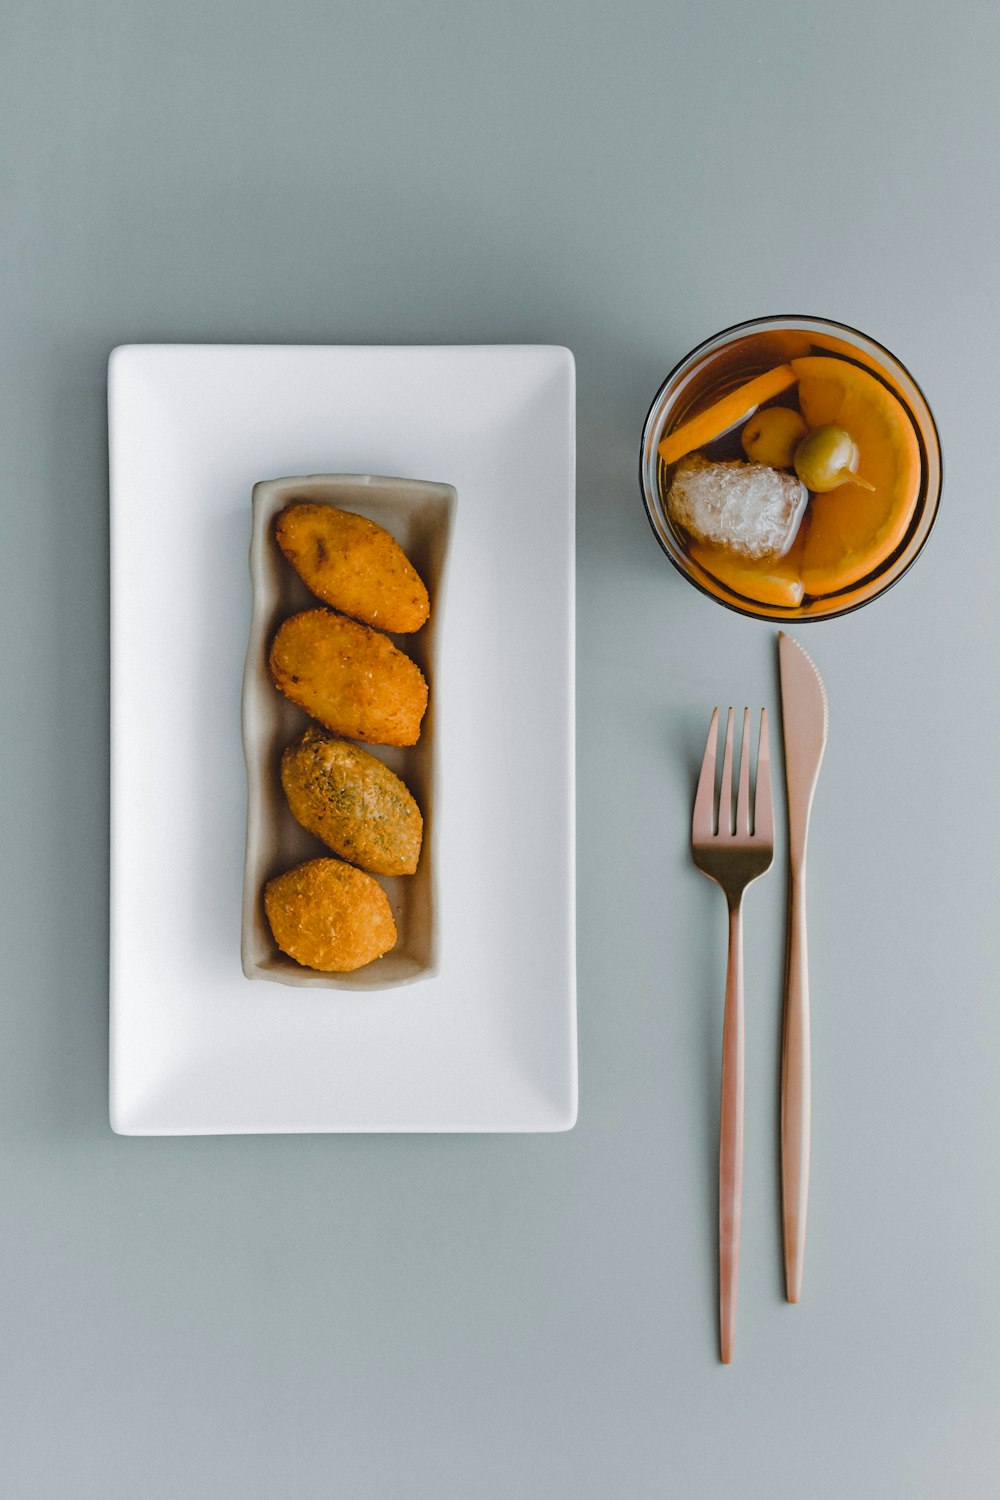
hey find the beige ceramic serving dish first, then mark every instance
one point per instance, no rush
(419, 516)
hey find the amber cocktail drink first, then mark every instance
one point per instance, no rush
(790, 468)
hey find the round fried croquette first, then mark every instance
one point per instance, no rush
(353, 564)
(329, 916)
(353, 802)
(349, 677)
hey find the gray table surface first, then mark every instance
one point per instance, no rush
(493, 1317)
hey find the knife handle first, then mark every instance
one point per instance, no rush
(795, 1091)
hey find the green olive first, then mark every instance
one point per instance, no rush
(827, 458)
(772, 435)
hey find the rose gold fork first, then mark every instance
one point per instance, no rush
(732, 857)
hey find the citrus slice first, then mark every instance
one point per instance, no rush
(732, 408)
(771, 580)
(852, 530)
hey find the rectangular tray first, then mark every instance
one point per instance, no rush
(488, 1041)
(418, 515)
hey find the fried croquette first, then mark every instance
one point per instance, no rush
(329, 916)
(355, 804)
(349, 677)
(353, 564)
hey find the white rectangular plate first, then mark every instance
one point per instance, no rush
(488, 1043)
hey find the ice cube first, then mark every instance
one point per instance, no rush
(750, 508)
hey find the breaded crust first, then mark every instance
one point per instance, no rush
(353, 564)
(355, 804)
(329, 916)
(349, 677)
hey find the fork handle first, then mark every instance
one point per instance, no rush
(731, 1138)
(795, 1091)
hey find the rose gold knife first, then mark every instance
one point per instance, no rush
(804, 725)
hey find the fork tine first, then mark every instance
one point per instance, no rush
(743, 789)
(703, 822)
(726, 793)
(763, 811)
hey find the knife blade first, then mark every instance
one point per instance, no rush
(804, 720)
